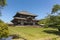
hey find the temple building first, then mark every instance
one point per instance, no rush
(24, 18)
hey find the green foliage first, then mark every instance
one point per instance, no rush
(42, 21)
(2, 3)
(55, 8)
(3, 30)
(3, 26)
(54, 21)
(51, 21)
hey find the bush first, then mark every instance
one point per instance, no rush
(3, 30)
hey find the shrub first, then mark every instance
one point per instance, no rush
(3, 30)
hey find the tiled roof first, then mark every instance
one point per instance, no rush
(26, 13)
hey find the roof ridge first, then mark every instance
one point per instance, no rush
(26, 12)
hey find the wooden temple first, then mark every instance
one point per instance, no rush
(24, 18)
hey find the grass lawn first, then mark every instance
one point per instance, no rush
(31, 33)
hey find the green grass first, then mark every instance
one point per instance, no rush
(31, 33)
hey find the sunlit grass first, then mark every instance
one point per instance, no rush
(31, 33)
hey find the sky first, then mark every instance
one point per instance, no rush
(38, 7)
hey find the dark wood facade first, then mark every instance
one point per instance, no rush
(24, 18)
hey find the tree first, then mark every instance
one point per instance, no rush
(55, 19)
(42, 21)
(3, 27)
(55, 8)
(2, 4)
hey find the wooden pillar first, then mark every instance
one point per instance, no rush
(22, 23)
(33, 23)
(15, 23)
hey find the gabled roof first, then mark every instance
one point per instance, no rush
(26, 13)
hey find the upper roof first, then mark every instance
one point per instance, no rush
(26, 13)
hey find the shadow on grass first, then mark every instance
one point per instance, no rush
(52, 32)
(16, 36)
(23, 38)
